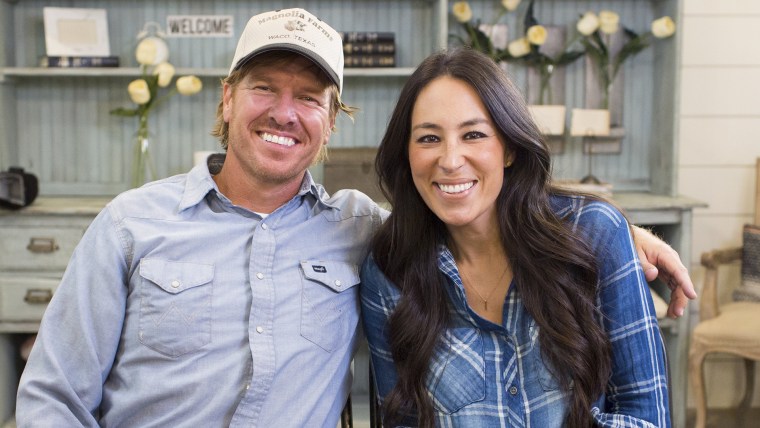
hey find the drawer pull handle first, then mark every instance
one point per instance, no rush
(42, 245)
(37, 296)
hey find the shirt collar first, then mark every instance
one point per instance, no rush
(199, 183)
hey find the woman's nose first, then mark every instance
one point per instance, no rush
(451, 157)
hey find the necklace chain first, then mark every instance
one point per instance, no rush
(475, 289)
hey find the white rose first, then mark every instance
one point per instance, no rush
(138, 91)
(519, 47)
(536, 34)
(151, 51)
(510, 5)
(588, 24)
(663, 27)
(462, 11)
(189, 85)
(608, 22)
(165, 72)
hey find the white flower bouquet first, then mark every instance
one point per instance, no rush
(152, 54)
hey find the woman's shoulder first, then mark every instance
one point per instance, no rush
(587, 211)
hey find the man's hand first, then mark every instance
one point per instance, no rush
(658, 259)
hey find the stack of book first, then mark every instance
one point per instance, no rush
(79, 61)
(369, 48)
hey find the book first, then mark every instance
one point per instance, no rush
(368, 48)
(367, 36)
(79, 61)
(370, 60)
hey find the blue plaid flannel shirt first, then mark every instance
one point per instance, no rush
(489, 375)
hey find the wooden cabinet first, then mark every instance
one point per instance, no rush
(35, 246)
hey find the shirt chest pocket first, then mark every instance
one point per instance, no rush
(175, 305)
(329, 302)
(457, 372)
(538, 368)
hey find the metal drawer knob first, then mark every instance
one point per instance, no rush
(42, 245)
(37, 296)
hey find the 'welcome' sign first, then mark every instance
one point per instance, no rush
(199, 25)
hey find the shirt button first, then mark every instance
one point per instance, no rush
(259, 329)
(260, 275)
(338, 283)
(264, 226)
(175, 284)
(513, 390)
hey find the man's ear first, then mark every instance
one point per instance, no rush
(226, 102)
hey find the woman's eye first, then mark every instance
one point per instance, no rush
(472, 135)
(428, 139)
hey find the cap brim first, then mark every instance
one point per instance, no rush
(316, 59)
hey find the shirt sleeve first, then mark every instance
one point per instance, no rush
(636, 394)
(62, 382)
(378, 300)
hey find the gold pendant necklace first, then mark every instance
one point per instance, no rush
(475, 289)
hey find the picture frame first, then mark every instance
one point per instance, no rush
(76, 31)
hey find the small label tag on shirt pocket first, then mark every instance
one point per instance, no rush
(336, 275)
(329, 302)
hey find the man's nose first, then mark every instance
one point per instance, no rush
(283, 110)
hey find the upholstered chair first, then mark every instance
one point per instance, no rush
(732, 328)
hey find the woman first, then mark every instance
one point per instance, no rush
(491, 298)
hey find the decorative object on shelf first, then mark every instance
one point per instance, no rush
(541, 59)
(363, 49)
(18, 188)
(76, 31)
(591, 124)
(79, 61)
(597, 32)
(152, 54)
(481, 36)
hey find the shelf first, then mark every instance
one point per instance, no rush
(25, 72)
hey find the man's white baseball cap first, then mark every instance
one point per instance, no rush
(294, 30)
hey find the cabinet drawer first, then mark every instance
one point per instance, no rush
(35, 248)
(25, 298)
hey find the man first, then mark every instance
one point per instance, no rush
(228, 295)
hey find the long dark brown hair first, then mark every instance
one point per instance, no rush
(554, 269)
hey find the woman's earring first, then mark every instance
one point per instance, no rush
(509, 163)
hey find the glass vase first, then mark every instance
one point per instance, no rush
(143, 169)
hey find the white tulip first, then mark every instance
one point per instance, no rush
(462, 11)
(608, 22)
(189, 85)
(151, 51)
(588, 24)
(139, 91)
(165, 72)
(519, 47)
(536, 34)
(510, 5)
(663, 27)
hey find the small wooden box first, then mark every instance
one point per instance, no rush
(352, 168)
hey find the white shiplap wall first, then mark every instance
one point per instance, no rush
(719, 140)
